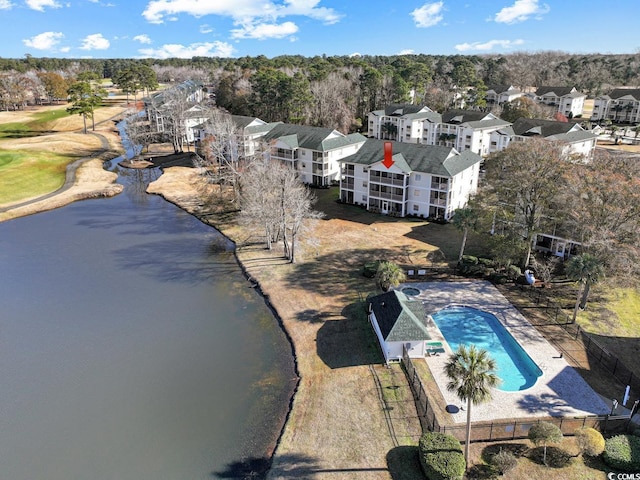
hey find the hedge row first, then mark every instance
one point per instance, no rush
(441, 456)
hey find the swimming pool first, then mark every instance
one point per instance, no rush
(467, 326)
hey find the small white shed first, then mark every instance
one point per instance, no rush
(399, 321)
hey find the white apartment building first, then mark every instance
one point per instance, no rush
(399, 122)
(467, 130)
(499, 94)
(157, 106)
(314, 152)
(622, 105)
(429, 181)
(576, 141)
(567, 100)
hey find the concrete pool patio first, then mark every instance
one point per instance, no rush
(559, 392)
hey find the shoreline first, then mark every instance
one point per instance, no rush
(335, 424)
(255, 284)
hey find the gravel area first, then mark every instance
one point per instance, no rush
(560, 391)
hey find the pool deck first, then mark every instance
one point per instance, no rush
(560, 391)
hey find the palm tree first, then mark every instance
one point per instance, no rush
(588, 270)
(464, 219)
(389, 274)
(471, 375)
(390, 130)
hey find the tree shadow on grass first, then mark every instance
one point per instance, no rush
(348, 342)
(556, 457)
(403, 463)
(338, 275)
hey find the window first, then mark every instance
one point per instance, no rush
(416, 208)
(364, 198)
(418, 177)
(364, 184)
(416, 193)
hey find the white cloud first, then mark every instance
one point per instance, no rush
(428, 15)
(40, 4)
(144, 38)
(255, 19)
(44, 41)
(406, 51)
(265, 30)
(521, 11)
(5, 5)
(95, 42)
(204, 28)
(486, 46)
(208, 49)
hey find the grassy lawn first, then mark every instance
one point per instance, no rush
(28, 174)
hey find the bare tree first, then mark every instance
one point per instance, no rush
(522, 184)
(274, 198)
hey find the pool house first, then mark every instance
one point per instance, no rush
(399, 322)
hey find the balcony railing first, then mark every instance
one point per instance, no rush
(399, 182)
(386, 196)
(443, 187)
(347, 183)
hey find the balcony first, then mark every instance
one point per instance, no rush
(347, 183)
(399, 182)
(386, 196)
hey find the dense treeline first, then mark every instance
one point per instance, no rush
(589, 72)
(339, 91)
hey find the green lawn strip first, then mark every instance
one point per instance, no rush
(41, 119)
(15, 130)
(28, 174)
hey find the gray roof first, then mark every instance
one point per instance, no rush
(463, 116)
(243, 121)
(399, 319)
(623, 92)
(411, 157)
(490, 123)
(186, 88)
(578, 136)
(433, 116)
(401, 109)
(498, 88)
(313, 138)
(559, 91)
(537, 126)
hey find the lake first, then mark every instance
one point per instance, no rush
(131, 346)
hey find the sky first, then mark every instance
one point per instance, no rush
(237, 28)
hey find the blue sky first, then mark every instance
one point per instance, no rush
(235, 28)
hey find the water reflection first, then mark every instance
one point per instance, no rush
(131, 347)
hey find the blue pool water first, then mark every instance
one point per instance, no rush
(467, 326)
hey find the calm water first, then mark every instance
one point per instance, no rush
(468, 326)
(131, 347)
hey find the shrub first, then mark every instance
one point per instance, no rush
(543, 433)
(505, 461)
(514, 271)
(498, 278)
(370, 268)
(469, 260)
(487, 262)
(636, 432)
(441, 456)
(622, 452)
(589, 441)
